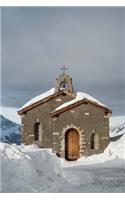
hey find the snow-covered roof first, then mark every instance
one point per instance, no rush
(38, 98)
(80, 96)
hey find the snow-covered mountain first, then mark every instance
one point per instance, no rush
(9, 131)
(115, 121)
(117, 127)
(118, 130)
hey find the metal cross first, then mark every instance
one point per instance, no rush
(64, 68)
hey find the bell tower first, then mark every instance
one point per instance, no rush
(64, 82)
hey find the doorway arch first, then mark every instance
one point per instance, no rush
(72, 144)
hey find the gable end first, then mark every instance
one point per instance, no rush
(78, 103)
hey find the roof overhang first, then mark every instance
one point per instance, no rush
(78, 103)
(22, 111)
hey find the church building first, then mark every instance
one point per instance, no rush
(73, 124)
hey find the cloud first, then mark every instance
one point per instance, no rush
(35, 41)
(10, 113)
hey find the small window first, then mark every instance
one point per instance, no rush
(94, 141)
(36, 131)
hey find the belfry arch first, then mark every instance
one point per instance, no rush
(64, 82)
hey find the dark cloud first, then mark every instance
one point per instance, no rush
(35, 41)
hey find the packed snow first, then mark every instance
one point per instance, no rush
(79, 96)
(39, 98)
(31, 169)
(28, 168)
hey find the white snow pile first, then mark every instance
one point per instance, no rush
(32, 169)
(114, 152)
(80, 96)
(39, 98)
(27, 168)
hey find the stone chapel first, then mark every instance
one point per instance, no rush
(73, 124)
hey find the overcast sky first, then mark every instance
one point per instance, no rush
(36, 41)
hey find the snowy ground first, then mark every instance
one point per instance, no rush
(30, 169)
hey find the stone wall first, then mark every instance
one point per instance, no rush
(41, 114)
(86, 119)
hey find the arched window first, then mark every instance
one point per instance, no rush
(36, 131)
(94, 141)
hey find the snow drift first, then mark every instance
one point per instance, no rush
(114, 154)
(30, 169)
(27, 168)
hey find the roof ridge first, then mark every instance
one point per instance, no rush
(77, 100)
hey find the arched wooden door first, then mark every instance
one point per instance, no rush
(72, 144)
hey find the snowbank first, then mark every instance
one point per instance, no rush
(39, 98)
(27, 168)
(80, 96)
(116, 149)
(31, 169)
(114, 152)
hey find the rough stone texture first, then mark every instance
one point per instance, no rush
(41, 114)
(85, 118)
(95, 122)
(64, 78)
(53, 129)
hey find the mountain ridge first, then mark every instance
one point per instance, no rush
(10, 132)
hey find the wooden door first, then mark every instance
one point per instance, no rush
(72, 145)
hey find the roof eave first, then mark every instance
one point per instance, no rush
(20, 112)
(52, 114)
